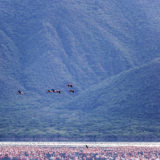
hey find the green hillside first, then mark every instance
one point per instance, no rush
(125, 107)
(109, 50)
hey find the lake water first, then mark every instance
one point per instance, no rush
(82, 144)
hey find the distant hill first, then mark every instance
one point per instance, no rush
(98, 46)
(125, 105)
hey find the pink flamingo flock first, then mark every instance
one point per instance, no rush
(78, 153)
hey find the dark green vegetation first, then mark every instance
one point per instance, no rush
(109, 50)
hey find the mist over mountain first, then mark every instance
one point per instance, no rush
(106, 49)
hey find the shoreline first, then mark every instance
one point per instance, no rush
(82, 144)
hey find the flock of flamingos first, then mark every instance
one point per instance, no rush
(52, 90)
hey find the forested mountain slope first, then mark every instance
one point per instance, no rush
(127, 105)
(48, 43)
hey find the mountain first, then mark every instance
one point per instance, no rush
(92, 44)
(125, 106)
